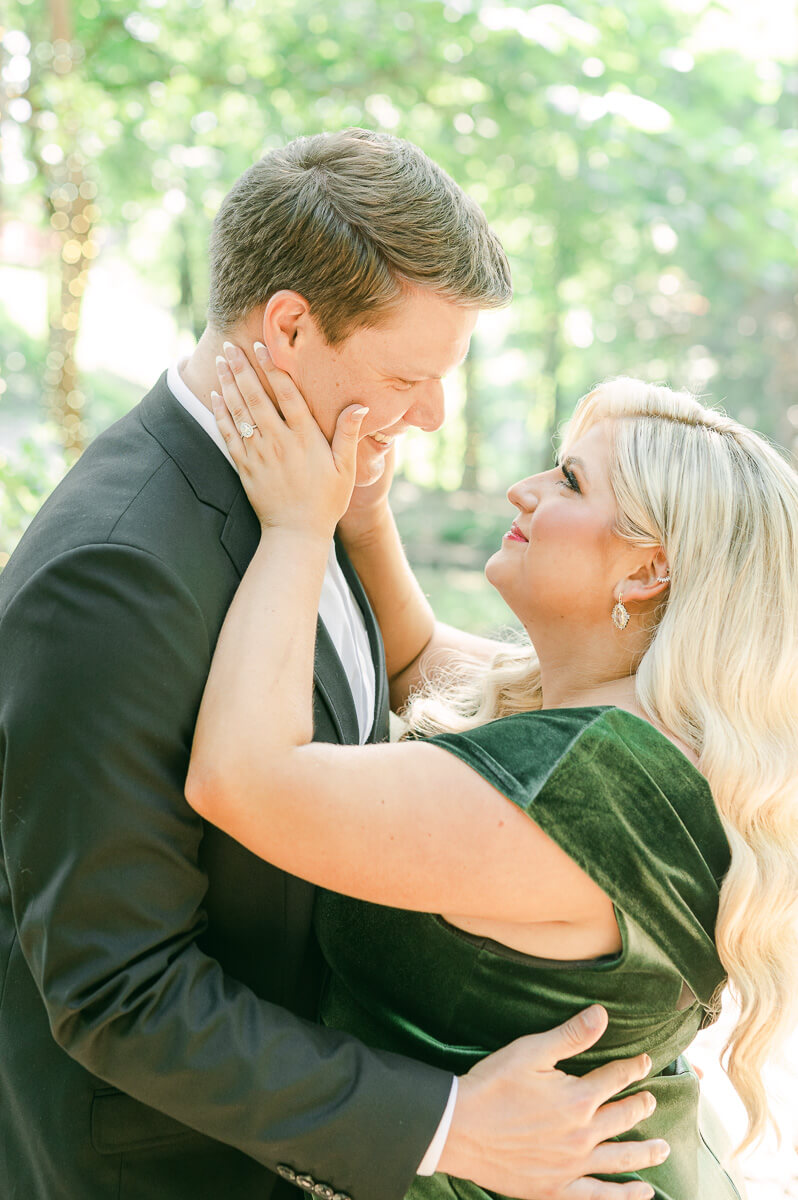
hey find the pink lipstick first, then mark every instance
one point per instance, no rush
(514, 534)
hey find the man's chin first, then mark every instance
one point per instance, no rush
(370, 470)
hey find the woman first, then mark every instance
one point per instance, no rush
(608, 817)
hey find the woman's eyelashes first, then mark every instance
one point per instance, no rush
(570, 480)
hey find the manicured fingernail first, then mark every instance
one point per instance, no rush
(651, 1104)
(360, 412)
(646, 1064)
(262, 351)
(231, 351)
(216, 398)
(662, 1151)
(222, 364)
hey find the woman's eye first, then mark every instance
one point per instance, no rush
(402, 386)
(569, 481)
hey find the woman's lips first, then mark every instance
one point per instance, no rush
(514, 534)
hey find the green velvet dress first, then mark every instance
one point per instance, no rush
(629, 807)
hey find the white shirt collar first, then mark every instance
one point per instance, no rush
(338, 608)
(202, 415)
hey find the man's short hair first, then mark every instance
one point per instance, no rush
(347, 219)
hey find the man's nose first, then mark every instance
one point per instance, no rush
(428, 409)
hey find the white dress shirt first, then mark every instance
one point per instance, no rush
(343, 620)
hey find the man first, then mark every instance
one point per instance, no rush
(157, 981)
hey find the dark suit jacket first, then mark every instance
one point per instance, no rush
(151, 968)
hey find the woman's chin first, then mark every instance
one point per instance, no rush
(500, 580)
(493, 572)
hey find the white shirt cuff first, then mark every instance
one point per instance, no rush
(429, 1163)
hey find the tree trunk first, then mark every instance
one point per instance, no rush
(188, 298)
(72, 216)
(473, 427)
(551, 372)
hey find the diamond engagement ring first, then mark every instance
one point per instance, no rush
(246, 430)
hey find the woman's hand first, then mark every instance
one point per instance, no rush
(293, 477)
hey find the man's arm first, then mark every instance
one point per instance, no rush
(103, 656)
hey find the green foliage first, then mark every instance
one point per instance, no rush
(639, 171)
(642, 181)
(26, 477)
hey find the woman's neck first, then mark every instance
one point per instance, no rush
(559, 692)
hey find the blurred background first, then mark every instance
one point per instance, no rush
(639, 161)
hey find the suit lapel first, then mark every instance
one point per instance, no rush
(379, 729)
(215, 482)
(333, 685)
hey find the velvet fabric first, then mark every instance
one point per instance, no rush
(625, 803)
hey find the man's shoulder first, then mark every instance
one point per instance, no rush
(127, 488)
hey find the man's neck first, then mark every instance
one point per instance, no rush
(198, 371)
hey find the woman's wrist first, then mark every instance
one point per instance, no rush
(292, 537)
(361, 531)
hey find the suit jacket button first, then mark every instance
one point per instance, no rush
(324, 1191)
(286, 1172)
(305, 1181)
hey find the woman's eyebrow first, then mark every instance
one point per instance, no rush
(573, 461)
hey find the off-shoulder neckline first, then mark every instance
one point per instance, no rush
(638, 720)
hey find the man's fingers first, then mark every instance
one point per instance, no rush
(607, 1081)
(573, 1037)
(614, 1158)
(611, 1120)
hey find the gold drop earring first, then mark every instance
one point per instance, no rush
(620, 614)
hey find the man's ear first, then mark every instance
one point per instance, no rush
(285, 327)
(650, 579)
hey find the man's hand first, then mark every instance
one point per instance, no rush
(524, 1129)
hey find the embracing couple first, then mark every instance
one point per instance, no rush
(246, 945)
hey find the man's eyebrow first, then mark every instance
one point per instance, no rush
(421, 378)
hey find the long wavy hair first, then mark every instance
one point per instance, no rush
(720, 672)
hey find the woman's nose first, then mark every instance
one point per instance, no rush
(523, 494)
(428, 409)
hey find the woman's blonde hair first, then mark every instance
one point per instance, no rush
(720, 672)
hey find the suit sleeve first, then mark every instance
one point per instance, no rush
(103, 657)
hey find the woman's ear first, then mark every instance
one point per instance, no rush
(649, 581)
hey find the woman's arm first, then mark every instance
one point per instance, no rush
(407, 825)
(415, 641)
